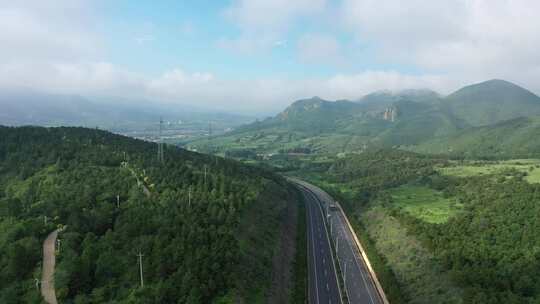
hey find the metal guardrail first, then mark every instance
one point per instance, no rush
(372, 273)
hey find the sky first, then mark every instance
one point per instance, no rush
(258, 56)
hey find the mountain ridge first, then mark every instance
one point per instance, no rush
(383, 119)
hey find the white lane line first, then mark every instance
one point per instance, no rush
(356, 261)
(329, 246)
(316, 201)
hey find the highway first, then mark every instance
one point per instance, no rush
(359, 285)
(323, 284)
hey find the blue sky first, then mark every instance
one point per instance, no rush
(188, 33)
(257, 56)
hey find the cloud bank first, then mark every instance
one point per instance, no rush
(54, 46)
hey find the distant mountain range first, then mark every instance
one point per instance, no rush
(495, 111)
(27, 107)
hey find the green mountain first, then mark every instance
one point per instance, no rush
(491, 102)
(417, 122)
(381, 119)
(511, 138)
(317, 125)
(380, 99)
(316, 115)
(209, 228)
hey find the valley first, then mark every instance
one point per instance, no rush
(270, 152)
(433, 203)
(438, 196)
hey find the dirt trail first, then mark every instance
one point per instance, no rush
(49, 260)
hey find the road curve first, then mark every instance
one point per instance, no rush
(323, 286)
(47, 275)
(360, 284)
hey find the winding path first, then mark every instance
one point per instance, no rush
(47, 276)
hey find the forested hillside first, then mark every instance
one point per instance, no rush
(439, 235)
(482, 115)
(491, 102)
(208, 227)
(513, 138)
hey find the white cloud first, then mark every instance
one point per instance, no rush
(174, 83)
(471, 39)
(263, 22)
(34, 32)
(54, 46)
(356, 85)
(206, 90)
(272, 95)
(270, 15)
(249, 44)
(73, 78)
(318, 48)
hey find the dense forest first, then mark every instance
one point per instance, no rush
(208, 228)
(488, 248)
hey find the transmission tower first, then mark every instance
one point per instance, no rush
(160, 141)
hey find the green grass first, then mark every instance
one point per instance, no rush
(424, 203)
(416, 268)
(529, 166)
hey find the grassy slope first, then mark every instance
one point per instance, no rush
(514, 138)
(491, 102)
(414, 266)
(392, 288)
(424, 203)
(529, 166)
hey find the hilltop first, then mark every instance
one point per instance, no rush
(209, 228)
(511, 138)
(381, 119)
(491, 102)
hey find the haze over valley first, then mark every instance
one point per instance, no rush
(270, 151)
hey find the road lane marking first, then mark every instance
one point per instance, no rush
(315, 200)
(357, 264)
(329, 245)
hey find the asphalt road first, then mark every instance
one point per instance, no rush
(359, 285)
(323, 282)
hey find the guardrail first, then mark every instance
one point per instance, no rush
(372, 273)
